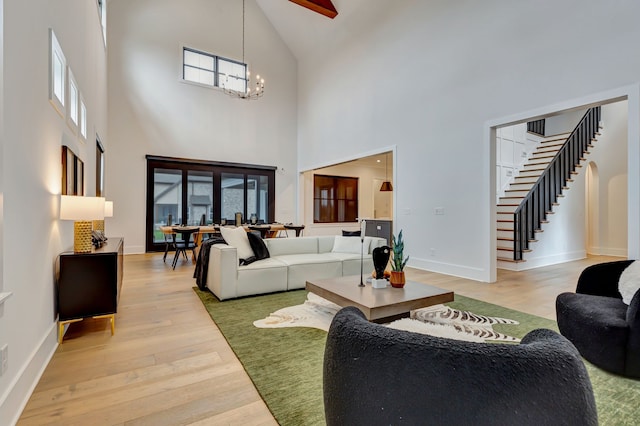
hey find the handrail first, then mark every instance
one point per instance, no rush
(537, 204)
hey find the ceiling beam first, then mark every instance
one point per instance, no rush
(323, 7)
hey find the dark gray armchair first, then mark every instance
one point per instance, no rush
(374, 375)
(604, 329)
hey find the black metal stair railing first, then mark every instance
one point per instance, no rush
(533, 210)
(536, 126)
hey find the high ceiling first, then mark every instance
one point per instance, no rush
(304, 30)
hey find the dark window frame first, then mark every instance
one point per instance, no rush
(335, 200)
(99, 168)
(215, 167)
(216, 67)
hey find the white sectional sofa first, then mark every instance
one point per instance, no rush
(292, 262)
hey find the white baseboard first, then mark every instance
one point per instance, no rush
(20, 389)
(476, 274)
(608, 251)
(134, 249)
(537, 262)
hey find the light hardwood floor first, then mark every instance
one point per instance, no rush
(168, 364)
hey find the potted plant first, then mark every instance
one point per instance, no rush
(398, 262)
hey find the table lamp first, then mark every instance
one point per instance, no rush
(82, 210)
(98, 225)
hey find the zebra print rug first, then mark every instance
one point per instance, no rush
(437, 320)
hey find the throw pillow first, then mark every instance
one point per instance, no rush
(346, 245)
(257, 245)
(629, 282)
(237, 237)
(350, 233)
(248, 260)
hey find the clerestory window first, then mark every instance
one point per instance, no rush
(215, 71)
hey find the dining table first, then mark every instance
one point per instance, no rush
(273, 229)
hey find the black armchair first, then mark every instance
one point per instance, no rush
(374, 375)
(605, 330)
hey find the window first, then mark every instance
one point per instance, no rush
(57, 77)
(335, 199)
(73, 100)
(83, 118)
(193, 190)
(211, 70)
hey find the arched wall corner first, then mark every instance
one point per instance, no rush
(631, 93)
(592, 208)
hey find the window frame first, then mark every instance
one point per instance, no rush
(73, 119)
(217, 169)
(82, 117)
(335, 200)
(55, 51)
(215, 71)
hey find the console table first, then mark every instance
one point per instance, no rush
(88, 284)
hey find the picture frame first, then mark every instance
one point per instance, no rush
(72, 173)
(79, 187)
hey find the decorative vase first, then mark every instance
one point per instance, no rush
(397, 279)
(380, 260)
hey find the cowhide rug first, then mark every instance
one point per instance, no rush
(437, 320)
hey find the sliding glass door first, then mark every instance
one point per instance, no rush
(167, 200)
(194, 192)
(199, 197)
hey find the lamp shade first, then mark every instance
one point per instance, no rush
(386, 186)
(108, 209)
(81, 208)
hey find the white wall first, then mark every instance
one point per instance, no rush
(152, 112)
(610, 156)
(563, 123)
(429, 76)
(31, 174)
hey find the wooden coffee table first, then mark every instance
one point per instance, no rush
(379, 304)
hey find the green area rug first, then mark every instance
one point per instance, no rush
(285, 364)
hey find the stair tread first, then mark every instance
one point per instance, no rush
(511, 249)
(505, 259)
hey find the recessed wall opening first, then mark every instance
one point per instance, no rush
(372, 171)
(594, 214)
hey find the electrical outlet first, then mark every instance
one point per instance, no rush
(438, 211)
(4, 359)
(432, 252)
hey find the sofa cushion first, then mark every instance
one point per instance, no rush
(347, 245)
(237, 237)
(304, 267)
(325, 243)
(284, 246)
(307, 258)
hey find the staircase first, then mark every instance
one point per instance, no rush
(536, 190)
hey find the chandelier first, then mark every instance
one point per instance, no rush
(248, 93)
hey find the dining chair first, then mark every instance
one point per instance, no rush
(186, 242)
(167, 238)
(263, 229)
